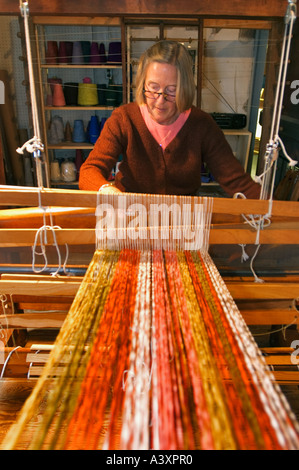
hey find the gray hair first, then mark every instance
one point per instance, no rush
(173, 53)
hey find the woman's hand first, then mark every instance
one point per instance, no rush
(109, 189)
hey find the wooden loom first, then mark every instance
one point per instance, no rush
(42, 301)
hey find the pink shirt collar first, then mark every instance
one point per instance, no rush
(163, 134)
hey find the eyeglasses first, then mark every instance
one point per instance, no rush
(154, 95)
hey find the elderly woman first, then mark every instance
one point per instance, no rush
(162, 137)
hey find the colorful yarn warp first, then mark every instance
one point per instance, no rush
(154, 354)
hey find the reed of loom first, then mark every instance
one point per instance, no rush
(183, 361)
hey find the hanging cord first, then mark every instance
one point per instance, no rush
(272, 148)
(33, 145)
(257, 223)
(36, 147)
(41, 235)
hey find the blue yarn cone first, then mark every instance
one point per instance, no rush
(94, 129)
(78, 131)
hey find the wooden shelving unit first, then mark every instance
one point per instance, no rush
(72, 30)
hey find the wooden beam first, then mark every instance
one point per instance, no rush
(33, 320)
(77, 20)
(265, 290)
(232, 235)
(165, 8)
(47, 197)
(286, 377)
(33, 217)
(275, 234)
(273, 316)
(239, 289)
(26, 237)
(39, 288)
(238, 23)
(38, 277)
(279, 360)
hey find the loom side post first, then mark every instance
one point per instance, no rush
(34, 145)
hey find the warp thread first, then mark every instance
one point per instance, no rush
(154, 354)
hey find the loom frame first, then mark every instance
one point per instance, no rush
(74, 211)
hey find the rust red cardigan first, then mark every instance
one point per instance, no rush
(146, 168)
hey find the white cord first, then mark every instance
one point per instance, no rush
(291, 161)
(257, 223)
(30, 365)
(7, 359)
(41, 235)
(33, 145)
(272, 152)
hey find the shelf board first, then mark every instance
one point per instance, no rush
(71, 146)
(236, 132)
(80, 108)
(77, 20)
(81, 66)
(64, 183)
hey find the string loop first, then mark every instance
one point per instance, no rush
(41, 237)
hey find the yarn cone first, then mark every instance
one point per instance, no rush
(102, 53)
(77, 53)
(85, 45)
(94, 53)
(78, 131)
(52, 81)
(68, 132)
(58, 95)
(87, 93)
(62, 53)
(70, 90)
(114, 52)
(51, 52)
(94, 129)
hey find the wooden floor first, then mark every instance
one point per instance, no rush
(15, 386)
(13, 393)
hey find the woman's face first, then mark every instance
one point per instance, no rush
(161, 77)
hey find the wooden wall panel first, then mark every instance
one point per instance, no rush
(221, 8)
